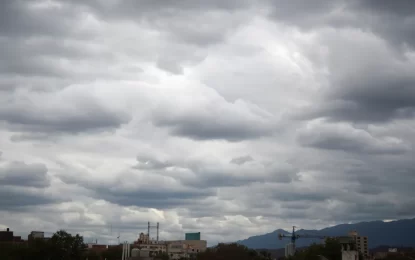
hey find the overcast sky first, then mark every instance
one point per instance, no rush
(232, 118)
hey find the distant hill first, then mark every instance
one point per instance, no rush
(400, 233)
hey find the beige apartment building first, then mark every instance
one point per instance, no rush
(184, 248)
(176, 249)
(361, 243)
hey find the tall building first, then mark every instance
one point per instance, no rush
(361, 243)
(347, 248)
(289, 250)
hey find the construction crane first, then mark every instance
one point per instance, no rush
(295, 236)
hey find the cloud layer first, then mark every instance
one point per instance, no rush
(231, 118)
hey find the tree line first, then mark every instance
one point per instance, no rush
(61, 246)
(64, 246)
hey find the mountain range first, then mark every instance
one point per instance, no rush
(394, 233)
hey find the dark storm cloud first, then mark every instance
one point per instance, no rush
(377, 96)
(21, 174)
(231, 175)
(22, 186)
(155, 192)
(20, 199)
(39, 56)
(40, 112)
(201, 174)
(36, 122)
(305, 14)
(22, 18)
(370, 83)
(207, 131)
(392, 20)
(211, 126)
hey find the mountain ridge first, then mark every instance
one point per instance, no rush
(393, 233)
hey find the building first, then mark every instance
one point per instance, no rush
(348, 248)
(6, 235)
(185, 248)
(143, 239)
(361, 243)
(289, 250)
(176, 249)
(36, 235)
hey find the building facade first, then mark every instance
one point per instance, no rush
(361, 243)
(185, 248)
(36, 235)
(175, 249)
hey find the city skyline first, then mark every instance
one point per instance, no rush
(230, 118)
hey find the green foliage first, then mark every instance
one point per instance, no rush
(330, 250)
(62, 246)
(112, 253)
(232, 251)
(162, 256)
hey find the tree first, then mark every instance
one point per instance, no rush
(331, 250)
(112, 253)
(64, 246)
(162, 256)
(232, 252)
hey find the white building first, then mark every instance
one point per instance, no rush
(36, 235)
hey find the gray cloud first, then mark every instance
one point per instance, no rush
(18, 199)
(154, 191)
(76, 112)
(344, 137)
(366, 84)
(21, 174)
(241, 160)
(222, 120)
(146, 162)
(18, 18)
(23, 186)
